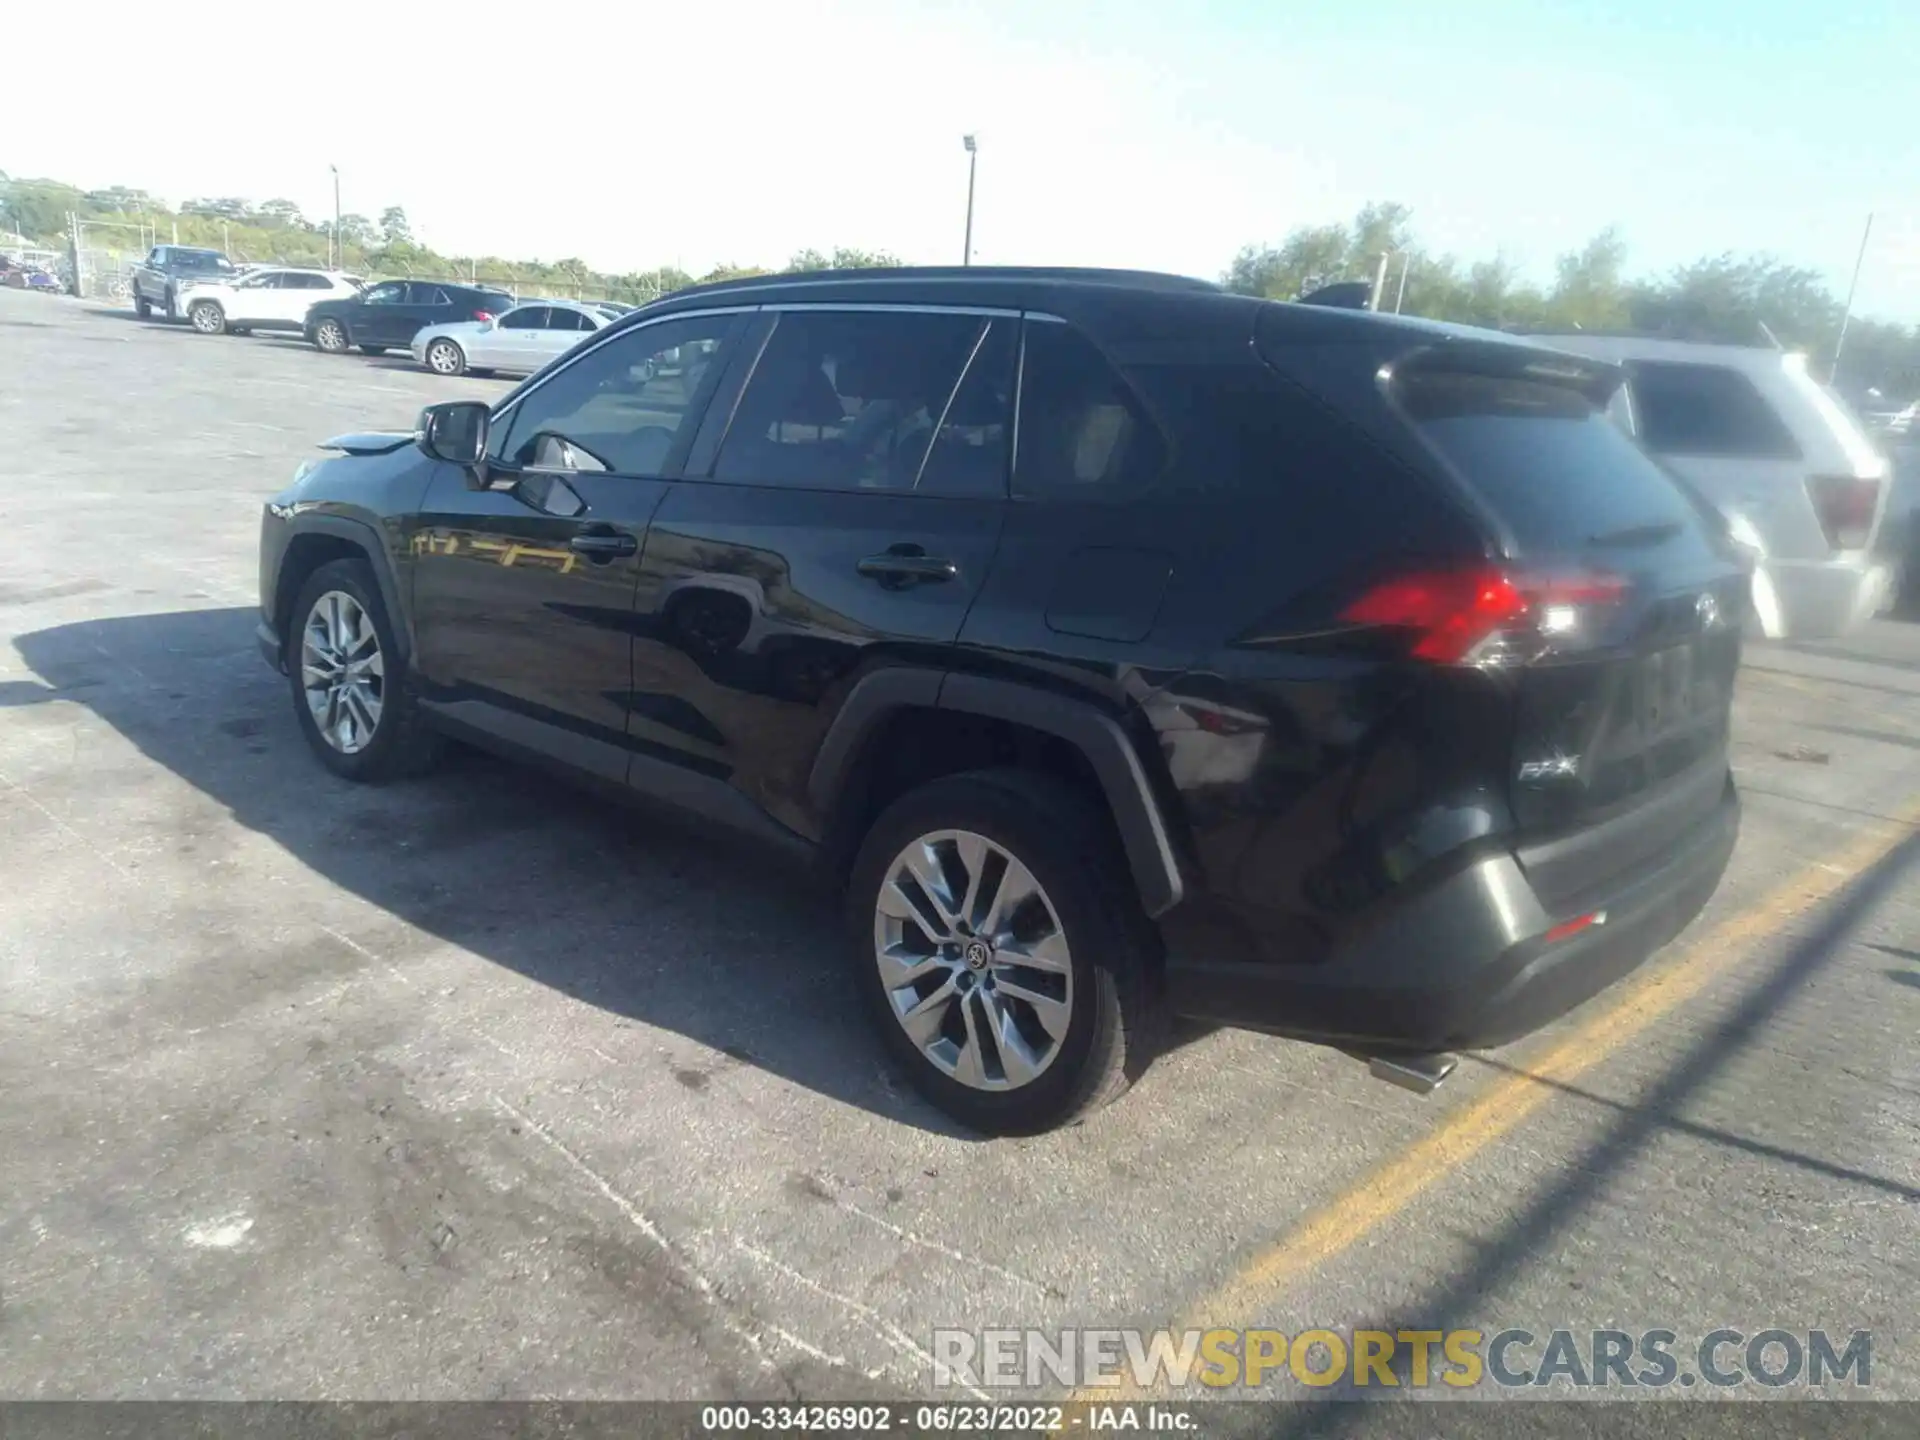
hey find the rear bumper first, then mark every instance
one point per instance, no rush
(1465, 964)
(1819, 599)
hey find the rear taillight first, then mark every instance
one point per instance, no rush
(1845, 505)
(483, 315)
(1485, 615)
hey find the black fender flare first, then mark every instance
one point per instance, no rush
(365, 538)
(1116, 764)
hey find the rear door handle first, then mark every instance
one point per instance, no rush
(603, 544)
(906, 565)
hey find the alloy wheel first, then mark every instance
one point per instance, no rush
(342, 672)
(331, 337)
(206, 319)
(973, 960)
(443, 357)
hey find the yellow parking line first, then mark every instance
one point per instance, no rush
(1336, 1227)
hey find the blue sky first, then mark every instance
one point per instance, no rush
(1119, 133)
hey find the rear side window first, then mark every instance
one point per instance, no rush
(1559, 473)
(1082, 432)
(1706, 410)
(847, 400)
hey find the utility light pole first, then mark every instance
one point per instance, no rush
(336, 261)
(973, 160)
(1846, 315)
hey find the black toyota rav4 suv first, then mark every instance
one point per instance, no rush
(1123, 647)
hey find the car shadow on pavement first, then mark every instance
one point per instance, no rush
(618, 907)
(1540, 1225)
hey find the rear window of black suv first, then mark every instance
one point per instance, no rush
(1553, 467)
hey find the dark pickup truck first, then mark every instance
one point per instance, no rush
(157, 283)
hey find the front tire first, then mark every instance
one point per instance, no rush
(349, 679)
(1002, 951)
(331, 336)
(142, 308)
(206, 317)
(173, 304)
(444, 357)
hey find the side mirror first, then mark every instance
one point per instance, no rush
(455, 431)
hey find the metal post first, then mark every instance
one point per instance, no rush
(1406, 264)
(336, 248)
(973, 161)
(1379, 280)
(1846, 316)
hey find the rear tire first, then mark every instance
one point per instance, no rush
(378, 732)
(445, 357)
(142, 308)
(1081, 906)
(173, 304)
(330, 335)
(207, 317)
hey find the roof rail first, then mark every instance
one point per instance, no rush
(1136, 279)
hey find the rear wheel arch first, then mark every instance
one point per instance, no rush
(900, 728)
(321, 540)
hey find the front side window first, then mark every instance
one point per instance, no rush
(624, 407)
(847, 400)
(391, 293)
(1712, 410)
(1082, 432)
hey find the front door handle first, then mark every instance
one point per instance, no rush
(603, 544)
(905, 565)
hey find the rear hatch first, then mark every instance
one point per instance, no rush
(1613, 608)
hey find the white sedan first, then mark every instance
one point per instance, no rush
(269, 297)
(519, 341)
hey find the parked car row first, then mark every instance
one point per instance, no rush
(450, 328)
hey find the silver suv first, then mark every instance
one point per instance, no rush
(1779, 454)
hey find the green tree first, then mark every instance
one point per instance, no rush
(1728, 298)
(38, 208)
(282, 212)
(393, 226)
(1587, 290)
(842, 258)
(229, 207)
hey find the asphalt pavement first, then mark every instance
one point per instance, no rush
(476, 1088)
